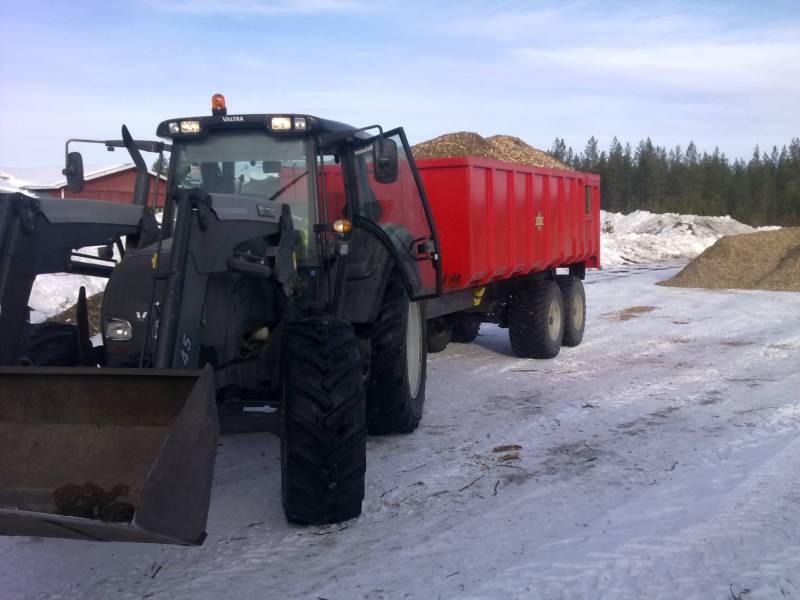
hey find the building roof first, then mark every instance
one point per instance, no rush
(60, 181)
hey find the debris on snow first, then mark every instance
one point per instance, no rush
(626, 314)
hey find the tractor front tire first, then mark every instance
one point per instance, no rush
(574, 309)
(323, 441)
(396, 387)
(536, 320)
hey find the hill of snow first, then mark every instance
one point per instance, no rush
(642, 237)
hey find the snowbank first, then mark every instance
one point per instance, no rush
(56, 292)
(645, 237)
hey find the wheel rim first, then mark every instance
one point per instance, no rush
(554, 320)
(414, 347)
(577, 312)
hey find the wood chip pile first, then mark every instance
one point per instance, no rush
(764, 260)
(497, 147)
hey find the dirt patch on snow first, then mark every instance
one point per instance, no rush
(764, 260)
(497, 147)
(626, 314)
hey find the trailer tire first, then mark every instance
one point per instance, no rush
(574, 299)
(396, 387)
(439, 335)
(323, 441)
(466, 330)
(535, 320)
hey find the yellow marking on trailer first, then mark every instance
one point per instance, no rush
(154, 261)
(477, 296)
(539, 221)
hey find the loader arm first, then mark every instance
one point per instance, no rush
(38, 236)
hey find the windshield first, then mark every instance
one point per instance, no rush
(255, 166)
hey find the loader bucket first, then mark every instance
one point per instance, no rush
(107, 454)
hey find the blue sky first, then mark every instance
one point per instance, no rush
(724, 74)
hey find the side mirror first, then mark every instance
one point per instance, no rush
(74, 172)
(271, 166)
(385, 160)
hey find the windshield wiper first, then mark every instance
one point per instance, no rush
(287, 186)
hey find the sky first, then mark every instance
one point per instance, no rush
(724, 74)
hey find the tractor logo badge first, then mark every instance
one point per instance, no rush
(539, 221)
(265, 211)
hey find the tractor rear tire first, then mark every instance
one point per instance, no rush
(535, 320)
(466, 330)
(574, 309)
(396, 387)
(323, 441)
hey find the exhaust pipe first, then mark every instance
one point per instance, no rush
(107, 454)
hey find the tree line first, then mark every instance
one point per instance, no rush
(764, 190)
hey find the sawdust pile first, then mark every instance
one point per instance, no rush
(764, 260)
(497, 147)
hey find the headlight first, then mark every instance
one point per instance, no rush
(118, 330)
(281, 123)
(174, 127)
(190, 126)
(300, 123)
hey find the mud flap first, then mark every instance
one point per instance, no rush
(107, 454)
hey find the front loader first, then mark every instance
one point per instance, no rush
(278, 290)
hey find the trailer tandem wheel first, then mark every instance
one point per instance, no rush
(535, 320)
(323, 441)
(574, 309)
(466, 329)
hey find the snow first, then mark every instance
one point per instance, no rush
(643, 237)
(56, 292)
(11, 184)
(659, 459)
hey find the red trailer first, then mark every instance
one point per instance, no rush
(504, 229)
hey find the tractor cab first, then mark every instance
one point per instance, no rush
(334, 178)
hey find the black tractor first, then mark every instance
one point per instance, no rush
(277, 289)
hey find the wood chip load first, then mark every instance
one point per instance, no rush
(497, 147)
(764, 260)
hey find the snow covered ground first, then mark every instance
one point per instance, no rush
(659, 459)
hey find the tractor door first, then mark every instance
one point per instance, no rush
(399, 214)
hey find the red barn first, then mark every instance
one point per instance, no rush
(115, 184)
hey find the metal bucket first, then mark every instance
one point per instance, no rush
(107, 454)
